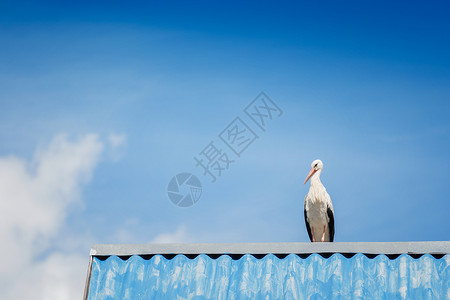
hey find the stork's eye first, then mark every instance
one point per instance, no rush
(315, 165)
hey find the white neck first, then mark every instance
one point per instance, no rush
(317, 190)
(315, 179)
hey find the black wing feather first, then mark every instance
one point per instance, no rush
(330, 223)
(308, 228)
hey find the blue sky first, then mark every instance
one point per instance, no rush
(136, 90)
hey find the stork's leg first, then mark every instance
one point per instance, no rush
(323, 234)
(312, 230)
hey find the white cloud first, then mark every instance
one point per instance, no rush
(34, 201)
(117, 144)
(59, 276)
(117, 140)
(179, 236)
(125, 234)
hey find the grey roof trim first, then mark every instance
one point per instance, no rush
(88, 280)
(276, 248)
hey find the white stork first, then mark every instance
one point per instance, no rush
(319, 213)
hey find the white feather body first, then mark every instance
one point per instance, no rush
(316, 203)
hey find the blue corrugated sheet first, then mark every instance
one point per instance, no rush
(270, 277)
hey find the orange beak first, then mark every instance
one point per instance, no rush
(311, 173)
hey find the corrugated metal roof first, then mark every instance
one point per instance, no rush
(169, 275)
(436, 247)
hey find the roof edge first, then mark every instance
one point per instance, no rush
(434, 247)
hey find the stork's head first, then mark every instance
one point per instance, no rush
(316, 165)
